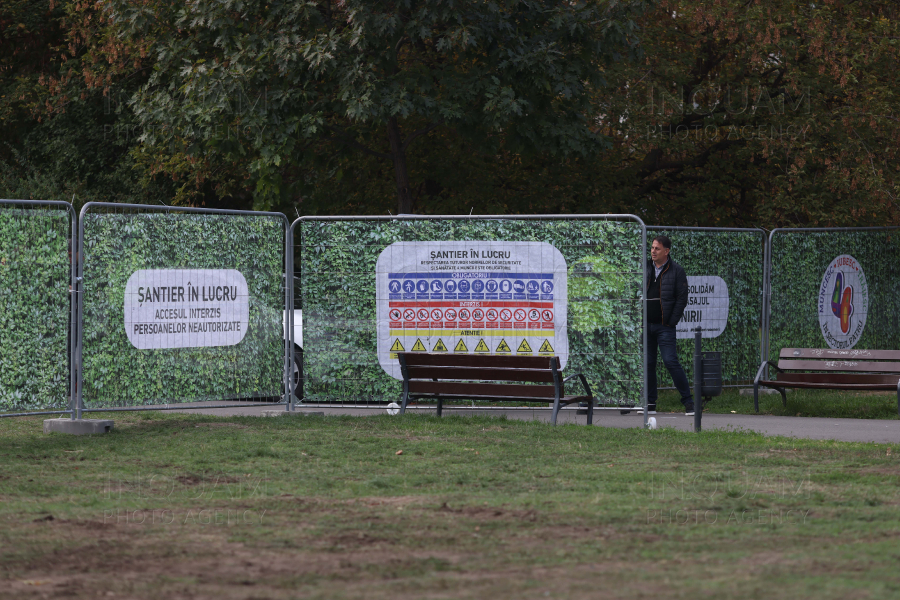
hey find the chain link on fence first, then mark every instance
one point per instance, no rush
(833, 288)
(725, 268)
(181, 305)
(37, 271)
(370, 287)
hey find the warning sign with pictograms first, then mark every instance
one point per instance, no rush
(478, 298)
(396, 347)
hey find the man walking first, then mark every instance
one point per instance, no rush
(667, 296)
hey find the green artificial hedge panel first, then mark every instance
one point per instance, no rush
(736, 257)
(34, 308)
(799, 260)
(116, 245)
(336, 265)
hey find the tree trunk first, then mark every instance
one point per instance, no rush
(398, 155)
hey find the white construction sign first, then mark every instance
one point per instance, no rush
(477, 298)
(707, 308)
(186, 308)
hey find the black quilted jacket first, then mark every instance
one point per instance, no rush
(673, 291)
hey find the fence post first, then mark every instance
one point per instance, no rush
(698, 380)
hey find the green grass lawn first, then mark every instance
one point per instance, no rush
(196, 506)
(800, 403)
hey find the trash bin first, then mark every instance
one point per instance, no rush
(712, 374)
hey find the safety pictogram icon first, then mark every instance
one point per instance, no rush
(503, 348)
(546, 349)
(419, 346)
(460, 347)
(439, 346)
(396, 347)
(482, 347)
(524, 348)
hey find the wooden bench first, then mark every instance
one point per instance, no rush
(467, 377)
(826, 369)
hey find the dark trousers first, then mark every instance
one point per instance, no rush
(663, 338)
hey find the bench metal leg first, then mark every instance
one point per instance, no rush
(404, 402)
(898, 397)
(555, 410)
(590, 419)
(783, 396)
(440, 406)
(756, 397)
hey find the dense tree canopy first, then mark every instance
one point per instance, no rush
(719, 112)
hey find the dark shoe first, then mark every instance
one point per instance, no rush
(689, 409)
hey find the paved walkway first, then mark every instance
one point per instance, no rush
(848, 430)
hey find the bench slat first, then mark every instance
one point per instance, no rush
(474, 360)
(838, 378)
(495, 390)
(829, 354)
(492, 374)
(832, 386)
(839, 365)
(562, 400)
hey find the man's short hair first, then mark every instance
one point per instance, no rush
(664, 241)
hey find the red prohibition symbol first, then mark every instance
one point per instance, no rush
(450, 314)
(395, 314)
(534, 315)
(505, 314)
(478, 314)
(423, 314)
(520, 314)
(464, 314)
(548, 315)
(409, 314)
(437, 315)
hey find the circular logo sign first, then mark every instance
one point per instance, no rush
(843, 302)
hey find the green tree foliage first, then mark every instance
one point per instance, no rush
(60, 137)
(261, 85)
(759, 112)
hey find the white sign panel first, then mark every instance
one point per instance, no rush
(843, 302)
(707, 308)
(186, 308)
(477, 298)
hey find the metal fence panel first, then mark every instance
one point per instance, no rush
(725, 274)
(181, 305)
(343, 285)
(36, 312)
(833, 288)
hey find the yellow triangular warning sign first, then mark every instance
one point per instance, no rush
(481, 347)
(524, 348)
(546, 348)
(503, 348)
(418, 346)
(397, 347)
(460, 347)
(439, 347)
